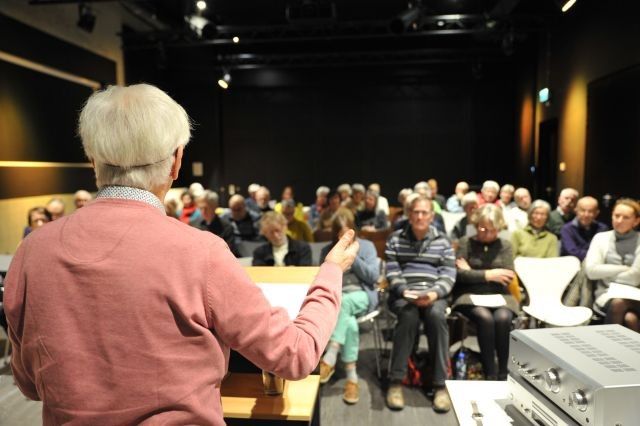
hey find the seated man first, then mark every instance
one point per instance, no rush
(207, 202)
(55, 207)
(435, 196)
(263, 200)
(296, 229)
(37, 217)
(250, 200)
(578, 233)
(371, 218)
(454, 203)
(280, 249)
(318, 207)
(81, 197)
(565, 212)
(421, 272)
(518, 217)
(245, 222)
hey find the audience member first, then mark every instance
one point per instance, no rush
(485, 266)
(454, 203)
(423, 188)
(263, 200)
(326, 217)
(578, 233)
(171, 207)
(614, 257)
(359, 295)
(56, 208)
(245, 223)
(469, 205)
(296, 229)
(36, 218)
(344, 191)
(535, 240)
(81, 198)
(196, 189)
(318, 207)
(435, 196)
(288, 194)
(371, 219)
(250, 200)
(506, 197)
(565, 212)
(421, 272)
(189, 213)
(383, 203)
(357, 198)
(401, 215)
(208, 203)
(131, 319)
(518, 217)
(279, 250)
(488, 193)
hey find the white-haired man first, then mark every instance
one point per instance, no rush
(245, 223)
(250, 200)
(208, 203)
(518, 217)
(564, 212)
(131, 317)
(318, 207)
(81, 198)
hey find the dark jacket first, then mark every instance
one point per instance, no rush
(299, 254)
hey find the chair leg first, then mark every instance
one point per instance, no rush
(377, 345)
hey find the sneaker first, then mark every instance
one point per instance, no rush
(441, 401)
(351, 393)
(395, 398)
(326, 371)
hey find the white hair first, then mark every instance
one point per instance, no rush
(358, 187)
(209, 197)
(490, 184)
(131, 133)
(468, 198)
(196, 189)
(539, 204)
(570, 192)
(345, 187)
(253, 188)
(322, 190)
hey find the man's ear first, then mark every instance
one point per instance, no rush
(177, 162)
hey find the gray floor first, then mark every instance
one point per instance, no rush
(371, 410)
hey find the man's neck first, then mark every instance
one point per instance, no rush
(420, 235)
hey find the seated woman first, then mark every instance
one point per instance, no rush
(324, 222)
(614, 257)
(371, 219)
(280, 250)
(287, 194)
(485, 266)
(358, 296)
(535, 240)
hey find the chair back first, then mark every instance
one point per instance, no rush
(545, 280)
(246, 248)
(378, 238)
(316, 248)
(450, 219)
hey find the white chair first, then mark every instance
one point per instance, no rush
(316, 248)
(545, 280)
(450, 220)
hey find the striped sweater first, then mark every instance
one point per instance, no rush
(428, 264)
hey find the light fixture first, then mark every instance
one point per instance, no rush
(406, 19)
(236, 39)
(86, 18)
(543, 95)
(567, 5)
(201, 5)
(225, 81)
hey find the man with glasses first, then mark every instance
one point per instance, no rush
(421, 272)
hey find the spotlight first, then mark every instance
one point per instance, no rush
(225, 81)
(543, 95)
(86, 18)
(405, 20)
(567, 4)
(201, 5)
(236, 39)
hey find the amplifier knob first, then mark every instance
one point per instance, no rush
(552, 380)
(579, 399)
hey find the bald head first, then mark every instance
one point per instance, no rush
(237, 207)
(587, 211)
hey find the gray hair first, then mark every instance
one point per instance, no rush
(358, 187)
(322, 190)
(131, 134)
(539, 204)
(210, 197)
(404, 193)
(490, 213)
(270, 218)
(288, 203)
(345, 187)
(490, 184)
(468, 198)
(508, 188)
(570, 191)
(253, 188)
(412, 201)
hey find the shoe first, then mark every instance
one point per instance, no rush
(326, 371)
(351, 393)
(441, 401)
(395, 397)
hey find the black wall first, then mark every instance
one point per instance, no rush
(309, 127)
(39, 112)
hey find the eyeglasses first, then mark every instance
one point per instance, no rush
(421, 212)
(488, 230)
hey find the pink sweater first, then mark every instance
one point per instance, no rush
(121, 315)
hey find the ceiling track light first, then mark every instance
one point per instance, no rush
(565, 5)
(225, 80)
